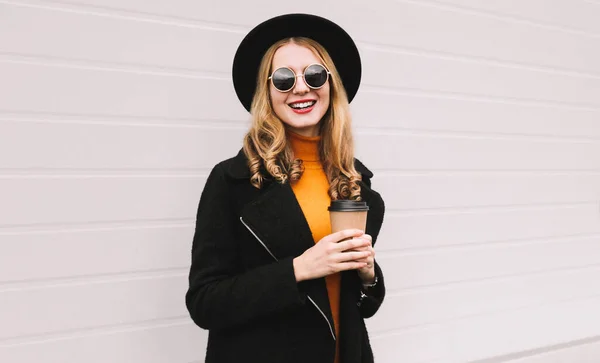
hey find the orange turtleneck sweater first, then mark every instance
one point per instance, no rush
(312, 194)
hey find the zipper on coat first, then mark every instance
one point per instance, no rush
(275, 258)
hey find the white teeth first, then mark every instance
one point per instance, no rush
(303, 104)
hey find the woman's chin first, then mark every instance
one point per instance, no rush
(303, 121)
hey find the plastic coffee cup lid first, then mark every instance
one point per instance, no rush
(347, 206)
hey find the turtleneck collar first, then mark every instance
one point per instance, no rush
(305, 147)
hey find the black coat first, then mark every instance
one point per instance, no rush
(242, 286)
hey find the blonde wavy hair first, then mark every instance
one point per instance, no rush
(265, 144)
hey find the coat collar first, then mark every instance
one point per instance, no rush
(238, 168)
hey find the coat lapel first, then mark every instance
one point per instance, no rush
(274, 214)
(278, 221)
(277, 218)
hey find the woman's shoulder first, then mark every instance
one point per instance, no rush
(362, 169)
(235, 167)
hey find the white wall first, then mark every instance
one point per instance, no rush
(481, 121)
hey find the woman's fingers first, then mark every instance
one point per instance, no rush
(343, 234)
(348, 249)
(352, 256)
(369, 258)
(353, 244)
(351, 265)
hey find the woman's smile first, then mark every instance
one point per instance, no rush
(303, 106)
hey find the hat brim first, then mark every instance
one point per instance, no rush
(331, 36)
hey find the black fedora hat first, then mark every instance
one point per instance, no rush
(331, 36)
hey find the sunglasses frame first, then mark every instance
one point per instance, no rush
(298, 75)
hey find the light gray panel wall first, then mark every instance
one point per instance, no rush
(479, 119)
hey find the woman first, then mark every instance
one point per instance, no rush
(268, 279)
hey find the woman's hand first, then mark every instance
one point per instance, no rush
(332, 254)
(367, 273)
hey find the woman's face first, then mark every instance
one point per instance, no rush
(301, 120)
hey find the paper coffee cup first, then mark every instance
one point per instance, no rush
(348, 214)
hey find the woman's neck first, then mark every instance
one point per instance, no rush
(304, 147)
(310, 131)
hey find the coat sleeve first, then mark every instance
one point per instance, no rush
(220, 294)
(373, 298)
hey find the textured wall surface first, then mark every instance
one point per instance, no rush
(481, 121)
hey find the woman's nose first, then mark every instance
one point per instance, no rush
(300, 87)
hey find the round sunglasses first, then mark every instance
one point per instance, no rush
(315, 76)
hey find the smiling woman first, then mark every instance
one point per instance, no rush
(270, 279)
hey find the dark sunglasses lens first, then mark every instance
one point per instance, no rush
(283, 79)
(315, 76)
